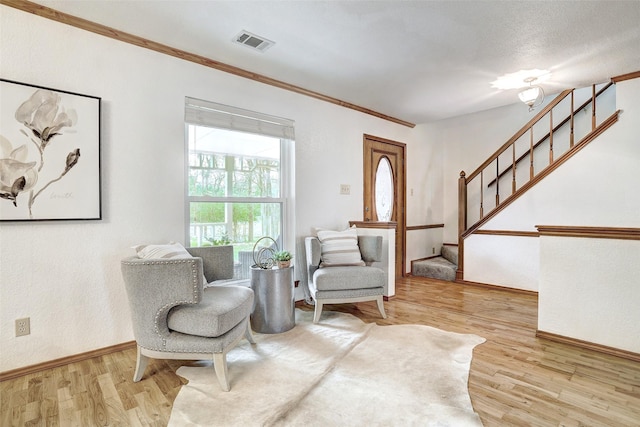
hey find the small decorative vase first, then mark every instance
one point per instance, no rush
(284, 264)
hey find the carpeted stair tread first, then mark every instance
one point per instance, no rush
(443, 267)
(436, 268)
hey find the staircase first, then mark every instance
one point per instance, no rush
(441, 267)
(553, 136)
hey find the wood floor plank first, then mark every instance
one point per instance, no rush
(516, 379)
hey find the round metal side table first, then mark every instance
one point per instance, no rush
(274, 306)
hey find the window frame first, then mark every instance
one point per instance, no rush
(287, 170)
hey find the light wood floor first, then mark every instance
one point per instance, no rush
(516, 379)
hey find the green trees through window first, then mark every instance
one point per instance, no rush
(234, 187)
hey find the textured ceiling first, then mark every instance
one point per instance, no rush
(418, 61)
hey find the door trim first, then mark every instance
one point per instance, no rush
(400, 190)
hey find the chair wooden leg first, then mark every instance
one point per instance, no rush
(380, 301)
(317, 312)
(141, 365)
(248, 334)
(220, 366)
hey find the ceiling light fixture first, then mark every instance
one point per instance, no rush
(533, 96)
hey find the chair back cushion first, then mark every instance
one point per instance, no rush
(339, 248)
(217, 261)
(370, 248)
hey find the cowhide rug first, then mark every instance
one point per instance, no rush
(339, 372)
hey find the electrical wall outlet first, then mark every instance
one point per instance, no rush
(345, 189)
(23, 327)
(433, 250)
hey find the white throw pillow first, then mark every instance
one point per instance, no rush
(339, 248)
(168, 251)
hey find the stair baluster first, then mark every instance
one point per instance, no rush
(513, 167)
(571, 131)
(593, 108)
(481, 195)
(497, 181)
(531, 153)
(550, 136)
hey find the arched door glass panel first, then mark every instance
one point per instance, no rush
(384, 190)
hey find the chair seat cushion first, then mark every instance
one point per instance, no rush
(221, 308)
(347, 278)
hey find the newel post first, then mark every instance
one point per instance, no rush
(462, 222)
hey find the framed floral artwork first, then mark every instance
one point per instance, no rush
(49, 154)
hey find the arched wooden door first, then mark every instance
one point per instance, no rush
(384, 189)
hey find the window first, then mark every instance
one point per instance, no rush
(239, 179)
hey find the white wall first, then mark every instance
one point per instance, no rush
(589, 290)
(424, 196)
(502, 260)
(65, 276)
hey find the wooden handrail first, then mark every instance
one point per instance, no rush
(628, 76)
(555, 129)
(521, 132)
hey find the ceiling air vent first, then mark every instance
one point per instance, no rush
(253, 41)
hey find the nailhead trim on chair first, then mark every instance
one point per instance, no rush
(160, 311)
(194, 272)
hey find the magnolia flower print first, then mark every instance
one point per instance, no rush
(72, 159)
(16, 174)
(44, 118)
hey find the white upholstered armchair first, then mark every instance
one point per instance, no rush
(345, 283)
(176, 317)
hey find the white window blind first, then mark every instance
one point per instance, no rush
(206, 113)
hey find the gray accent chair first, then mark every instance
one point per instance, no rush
(176, 317)
(345, 284)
